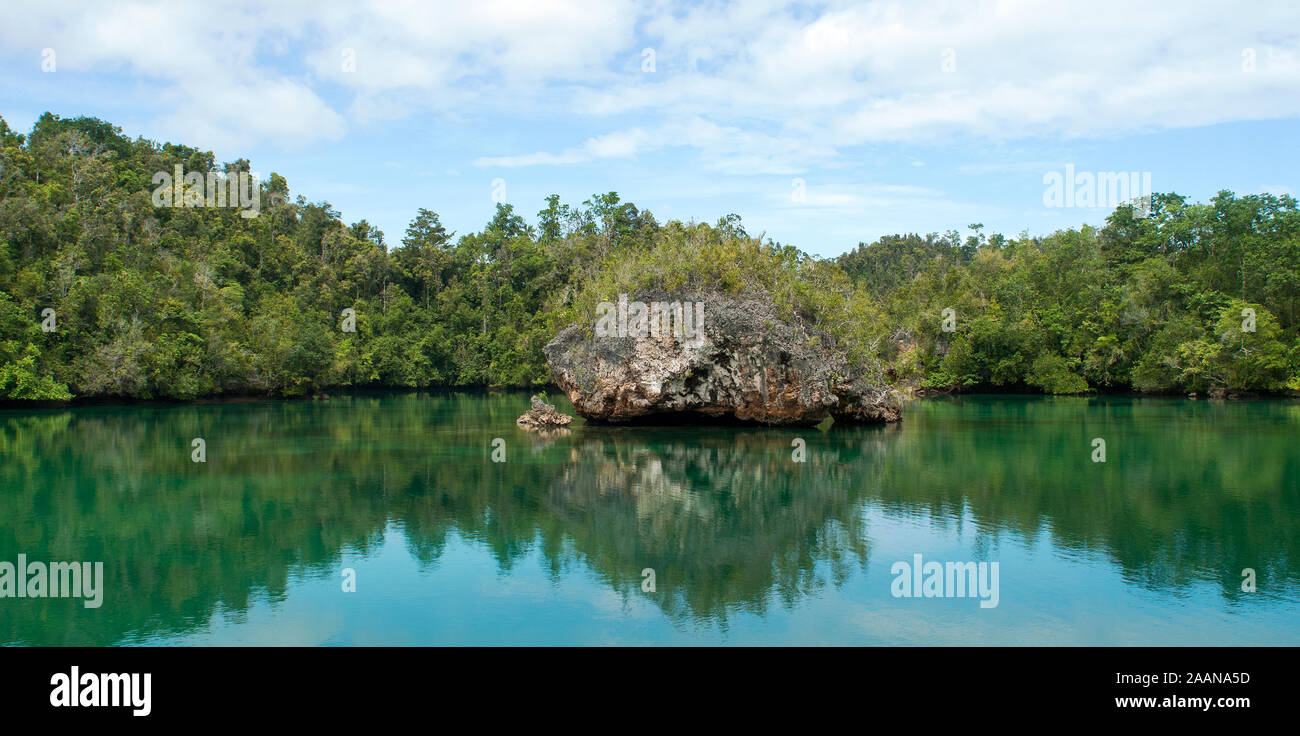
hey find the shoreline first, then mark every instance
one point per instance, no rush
(249, 398)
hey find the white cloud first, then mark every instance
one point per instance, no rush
(280, 111)
(860, 198)
(753, 87)
(409, 44)
(724, 148)
(215, 93)
(872, 73)
(251, 71)
(621, 144)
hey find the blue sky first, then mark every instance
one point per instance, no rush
(886, 117)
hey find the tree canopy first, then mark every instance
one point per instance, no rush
(181, 302)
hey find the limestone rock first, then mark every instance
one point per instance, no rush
(744, 363)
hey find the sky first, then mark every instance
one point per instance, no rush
(822, 124)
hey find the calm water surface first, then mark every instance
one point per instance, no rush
(548, 547)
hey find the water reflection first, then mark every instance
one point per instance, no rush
(1190, 493)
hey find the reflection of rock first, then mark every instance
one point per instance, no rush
(726, 521)
(544, 418)
(745, 362)
(549, 433)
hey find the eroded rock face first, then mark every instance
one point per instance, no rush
(744, 363)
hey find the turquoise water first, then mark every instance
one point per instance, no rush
(746, 545)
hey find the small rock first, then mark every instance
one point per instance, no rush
(542, 416)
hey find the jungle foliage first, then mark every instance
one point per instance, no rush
(185, 302)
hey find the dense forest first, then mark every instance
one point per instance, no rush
(104, 293)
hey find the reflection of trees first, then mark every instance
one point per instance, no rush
(724, 517)
(1190, 490)
(177, 538)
